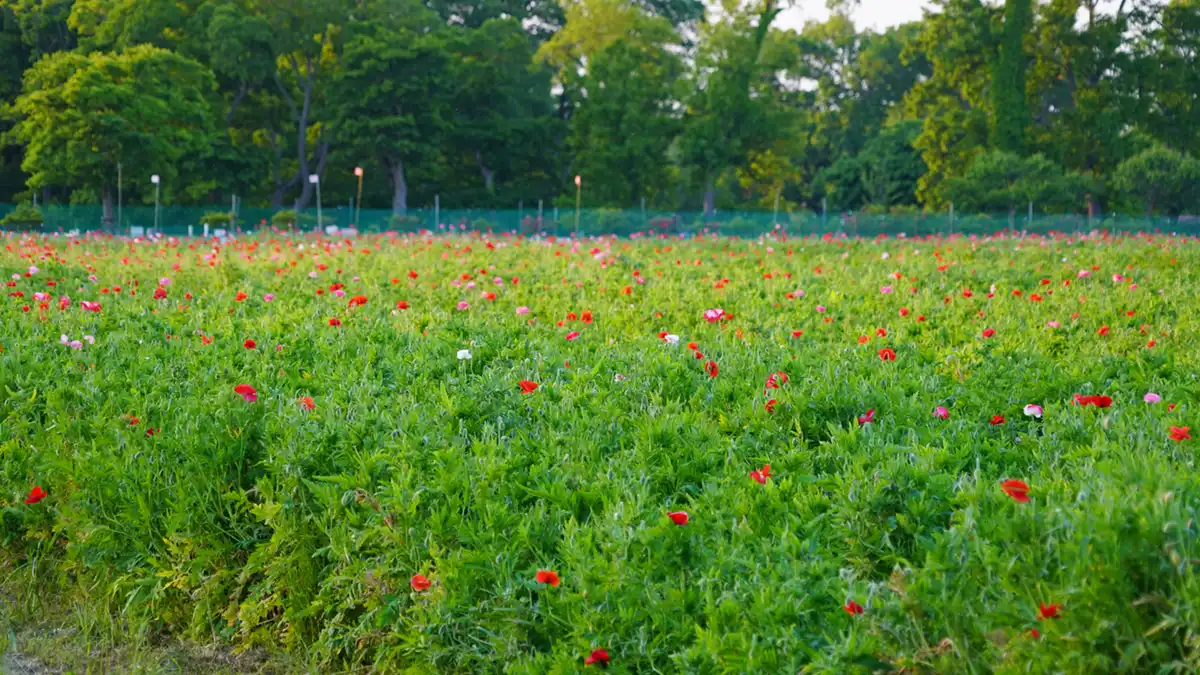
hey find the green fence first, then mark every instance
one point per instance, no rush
(185, 220)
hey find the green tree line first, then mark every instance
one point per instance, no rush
(675, 104)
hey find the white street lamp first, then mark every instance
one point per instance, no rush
(315, 179)
(157, 186)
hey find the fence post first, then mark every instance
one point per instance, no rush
(437, 211)
(539, 220)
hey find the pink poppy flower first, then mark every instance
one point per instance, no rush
(941, 412)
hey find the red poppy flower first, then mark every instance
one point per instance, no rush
(760, 476)
(150, 432)
(527, 387)
(1098, 401)
(1033, 633)
(306, 402)
(335, 322)
(1103, 331)
(711, 368)
(160, 293)
(358, 301)
(797, 333)
(920, 318)
(678, 517)
(1180, 434)
(36, 495)
(249, 344)
(586, 317)
(880, 332)
(240, 296)
(134, 421)
(402, 305)
(903, 311)
(598, 657)
(572, 335)
(997, 420)
(412, 274)
(776, 380)
(886, 354)
(770, 406)
(988, 332)
(247, 392)
(693, 346)
(853, 608)
(1048, 611)
(419, 582)
(868, 418)
(548, 577)
(90, 306)
(1017, 489)
(571, 316)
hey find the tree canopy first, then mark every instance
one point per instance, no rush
(1074, 104)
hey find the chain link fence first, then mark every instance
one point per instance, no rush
(199, 221)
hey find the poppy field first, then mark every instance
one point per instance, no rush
(487, 453)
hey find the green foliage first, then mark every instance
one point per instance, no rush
(622, 130)
(217, 218)
(1003, 181)
(266, 524)
(1164, 180)
(145, 108)
(24, 217)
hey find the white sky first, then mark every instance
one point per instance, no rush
(875, 14)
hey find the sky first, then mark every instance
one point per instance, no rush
(876, 14)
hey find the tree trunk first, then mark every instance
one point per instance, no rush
(307, 188)
(489, 175)
(106, 199)
(399, 189)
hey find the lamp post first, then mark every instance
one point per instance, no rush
(316, 180)
(157, 186)
(578, 194)
(358, 171)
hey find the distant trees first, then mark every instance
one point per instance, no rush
(488, 103)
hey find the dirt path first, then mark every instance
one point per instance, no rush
(12, 663)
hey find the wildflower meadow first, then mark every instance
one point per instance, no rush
(476, 453)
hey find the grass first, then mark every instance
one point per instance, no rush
(177, 510)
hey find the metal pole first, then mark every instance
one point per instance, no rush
(1029, 223)
(539, 223)
(775, 213)
(437, 211)
(358, 201)
(578, 195)
(156, 190)
(824, 213)
(320, 222)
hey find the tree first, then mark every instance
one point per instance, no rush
(723, 121)
(392, 99)
(501, 101)
(1168, 78)
(145, 108)
(1164, 180)
(622, 129)
(1000, 180)
(884, 174)
(1010, 110)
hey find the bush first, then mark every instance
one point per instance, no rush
(216, 219)
(24, 218)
